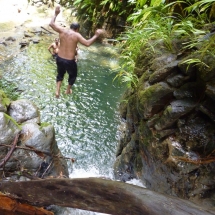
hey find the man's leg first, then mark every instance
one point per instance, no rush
(68, 89)
(60, 74)
(72, 72)
(57, 94)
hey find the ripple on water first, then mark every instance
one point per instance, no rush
(85, 122)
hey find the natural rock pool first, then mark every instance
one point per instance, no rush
(86, 121)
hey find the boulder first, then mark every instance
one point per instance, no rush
(24, 110)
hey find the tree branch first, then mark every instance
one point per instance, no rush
(13, 147)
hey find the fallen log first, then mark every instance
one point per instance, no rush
(9, 206)
(47, 30)
(100, 195)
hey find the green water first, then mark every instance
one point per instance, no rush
(86, 121)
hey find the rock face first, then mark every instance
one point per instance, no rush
(37, 152)
(168, 133)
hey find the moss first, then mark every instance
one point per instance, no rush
(6, 26)
(144, 77)
(9, 118)
(9, 89)
(145, 134)
(4, 100)
(44, 124)
(138, 163)
(149, 93)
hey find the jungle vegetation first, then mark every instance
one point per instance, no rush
(151, 21)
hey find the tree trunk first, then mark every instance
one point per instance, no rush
(10, 206)
(99, 195)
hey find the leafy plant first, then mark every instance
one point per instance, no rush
(193, 61)
(203, 6)
(5, 100)
(8, 89)
(158, 21)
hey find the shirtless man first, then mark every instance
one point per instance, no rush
(69, 39)
(53, 48)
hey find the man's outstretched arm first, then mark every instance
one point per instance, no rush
(90, 41)
(52, 24)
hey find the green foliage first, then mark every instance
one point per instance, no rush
(127, 77)
(206, 47)
(155, 21)
(143, 11)
(206, 7)
(96, 11)
(5, 100)
(150, 22)
(44, 124)
(193, 61)
(9, 89)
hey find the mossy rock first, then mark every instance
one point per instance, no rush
(4, 101)
(153, 99)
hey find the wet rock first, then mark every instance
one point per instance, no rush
(24, 110)
(164, 60)
(8, 129)
(27, 34)
(173, 112)
(161, 74)
(35, 40)
(177, 151)
(33, 135)
(190, 90)
(39, 153)
(125, 171)
(210, 89)
(35, 30)
(3, 43)
(24, 43)
(208, 109)
(37, 148)
(197, 135)
(10, 39)
(176, 79)
(169, 140)
(164, 133)
(153, 99)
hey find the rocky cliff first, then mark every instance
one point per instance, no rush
(168, 124)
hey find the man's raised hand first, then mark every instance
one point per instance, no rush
(57, 10)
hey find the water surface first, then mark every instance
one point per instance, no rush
(86, 121)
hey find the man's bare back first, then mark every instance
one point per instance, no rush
(69, 38)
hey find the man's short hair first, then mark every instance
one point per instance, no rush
(75, 26)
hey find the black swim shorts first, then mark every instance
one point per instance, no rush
(69, 66)
(54, 56)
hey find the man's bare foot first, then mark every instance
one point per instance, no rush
(57, 95)
(68, 91)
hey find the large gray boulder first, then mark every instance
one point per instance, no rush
(37, 151)
(8, 128)
(24, 110)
